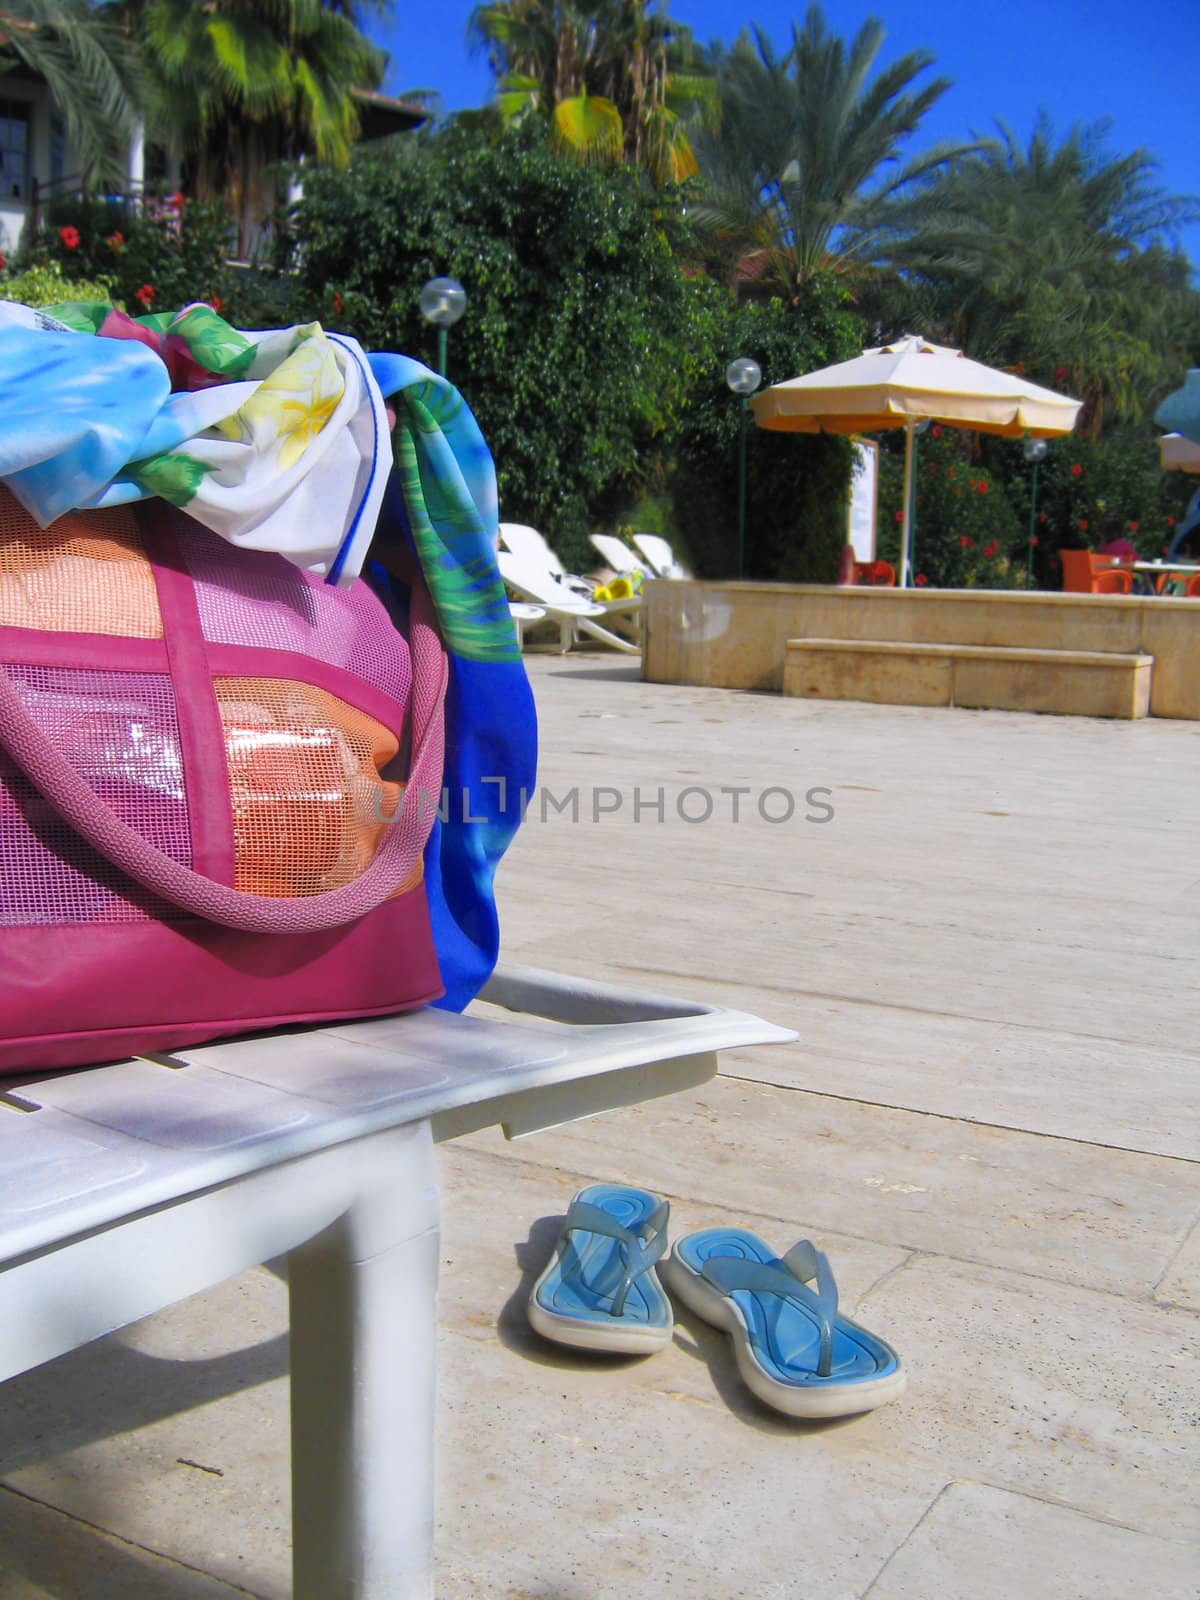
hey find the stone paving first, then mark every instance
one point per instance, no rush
(988, 942)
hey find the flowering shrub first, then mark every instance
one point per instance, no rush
(1090, 492)
(163, 254)
(967, 534)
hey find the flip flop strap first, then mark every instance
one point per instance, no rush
(788, 1278)
(642, 1246)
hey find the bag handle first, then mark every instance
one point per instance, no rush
(395, 860)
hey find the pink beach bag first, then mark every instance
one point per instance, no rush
(205, 755)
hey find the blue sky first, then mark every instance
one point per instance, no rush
(1136, 64)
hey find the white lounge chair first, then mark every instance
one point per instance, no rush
(522, 613)
(616, 554)
(531, 546)
(573, 613)
(125, 1188)
(660, 556)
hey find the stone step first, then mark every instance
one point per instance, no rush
(1075, 683)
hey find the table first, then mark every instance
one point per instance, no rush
(1158, 568)
(125, 1188)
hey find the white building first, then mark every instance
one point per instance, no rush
(37, 162)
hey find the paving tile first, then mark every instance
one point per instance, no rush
(173, 1435)
(562, 1480)
(937, 945)
(1066, 1394)
(1180, 1284)
(993, 1545)
(44, 1556)
(1050, 1207)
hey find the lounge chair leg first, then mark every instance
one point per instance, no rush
(363, 1324)
(607, 637)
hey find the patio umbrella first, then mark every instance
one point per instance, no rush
(902, 384)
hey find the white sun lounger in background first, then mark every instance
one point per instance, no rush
(660, 556)
(574, 614)
(522, 613)
(616, 554)
(531, 546)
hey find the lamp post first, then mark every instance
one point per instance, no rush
(442, 302)
(1035, 450)
(743, 376)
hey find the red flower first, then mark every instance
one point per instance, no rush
(3, 264)
(1042, 517)
(146, 295)
(1062, 372)
(932, 467)
(1133, 527)
(69, 237)
(921, 580)
(1083, 525)
(1170, 520)
(971, 483)
(949, 472)
(989, 550)
(1077, 471)
(116, 242)
(216, 302)
(964, 543)
(936, 431)
(1034, 539)
(899, 516)
(982, 487)
(176, 199)
(337, 302)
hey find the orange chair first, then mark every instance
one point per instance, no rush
(1084, 573)
(1113, 582)
(1171, 583)
(875, 574)
(1192, 592)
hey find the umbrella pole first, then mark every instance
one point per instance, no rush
(910, 439)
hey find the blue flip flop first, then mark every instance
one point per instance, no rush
(600, 1290)
(792, 1348)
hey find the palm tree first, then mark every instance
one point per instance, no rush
(92, 75)
(803, 170)
(1055, 255)
(246, 84)
(615, 80)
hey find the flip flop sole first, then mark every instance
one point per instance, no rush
(583, 1326)
(615, 1339)
(823, 1399)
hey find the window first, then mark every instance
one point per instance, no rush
(14, 150)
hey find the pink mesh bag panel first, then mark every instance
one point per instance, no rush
(203, 756)
(251, 597)
(118, 730)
